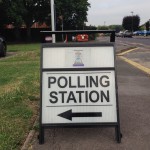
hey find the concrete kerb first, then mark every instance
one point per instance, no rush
(26, 145)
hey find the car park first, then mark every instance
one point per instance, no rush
(3, 47)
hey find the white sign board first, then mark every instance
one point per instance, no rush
(81, 92)
(78, 96)
(83, 57)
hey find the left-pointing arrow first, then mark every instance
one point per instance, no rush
(69, 114)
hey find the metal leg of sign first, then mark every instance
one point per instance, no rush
(41, 135)
(118, 134)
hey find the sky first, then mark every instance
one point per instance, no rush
(111, 12)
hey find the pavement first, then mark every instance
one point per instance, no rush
(134, 104)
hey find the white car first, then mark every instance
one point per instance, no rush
(120, 34)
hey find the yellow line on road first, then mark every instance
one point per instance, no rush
(130, 50)
(144, 69)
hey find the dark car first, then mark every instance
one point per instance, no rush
(3, 47)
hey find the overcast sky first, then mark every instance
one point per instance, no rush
(110, 12)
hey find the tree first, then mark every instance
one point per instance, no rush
(3, 17)
(73, 13)
(131, 23)
(103, 28)
(11, 13)
(117, 28)
(8, 11)
(18, 12)
(147, 25)
(35, 11)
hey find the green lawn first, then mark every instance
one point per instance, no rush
(19, 94)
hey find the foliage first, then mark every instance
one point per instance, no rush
(11, 12)
(147, 25)
(142, 28)
(131, 23)
(35, 11)
(4, 9)
(103, 28)
(117, 28)
(73, 14)
(90, 27)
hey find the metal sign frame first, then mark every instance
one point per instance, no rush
(79, 125)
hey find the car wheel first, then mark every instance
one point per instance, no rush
(3, 50)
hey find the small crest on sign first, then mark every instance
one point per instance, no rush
(78, 58)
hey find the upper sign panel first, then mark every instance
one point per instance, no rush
(78, 57)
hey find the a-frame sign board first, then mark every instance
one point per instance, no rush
(78, 86)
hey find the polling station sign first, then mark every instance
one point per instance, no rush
(78, 84)
(86, 92)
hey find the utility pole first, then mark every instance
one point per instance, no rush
(149, 24)
(132, 20)
(52, 21)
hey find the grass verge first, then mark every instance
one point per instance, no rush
(19, 94)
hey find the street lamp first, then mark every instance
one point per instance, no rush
(132, 20)
(52, 21)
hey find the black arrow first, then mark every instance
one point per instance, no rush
(68, 114)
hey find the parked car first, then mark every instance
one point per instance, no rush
(82, 38)
(141, 33)
(124, 34)
(127, 34)
(120, 34)
(136, 33)
(3, 47)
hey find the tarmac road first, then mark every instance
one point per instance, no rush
(134, 105)
(137, 40)
(140, 54)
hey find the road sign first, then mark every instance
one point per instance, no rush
(78, 86)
